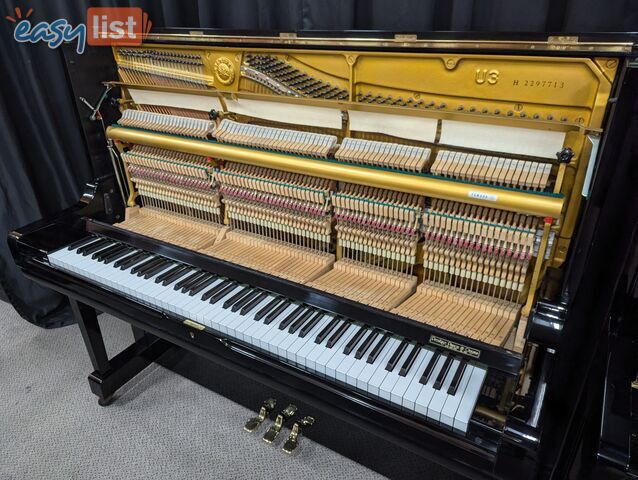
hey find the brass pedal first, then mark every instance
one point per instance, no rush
(264, 411)
(275, 428)
(293, 438)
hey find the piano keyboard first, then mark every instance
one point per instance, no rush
(418, 380)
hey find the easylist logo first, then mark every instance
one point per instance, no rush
(104, 26)
(116, 26)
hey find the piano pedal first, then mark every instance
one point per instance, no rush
(252, 424)
(275, 428)
(293, 438)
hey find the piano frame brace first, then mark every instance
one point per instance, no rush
(157, 334)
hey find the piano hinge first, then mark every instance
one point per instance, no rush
(405, 37)
(195, 325)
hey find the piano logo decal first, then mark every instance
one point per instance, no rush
(455, 347)
(104, 26)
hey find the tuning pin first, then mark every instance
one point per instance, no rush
(276, 427)
(293, 438)
(264, 411)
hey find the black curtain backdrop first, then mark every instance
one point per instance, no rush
(44, 159)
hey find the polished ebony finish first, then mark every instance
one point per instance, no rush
(583, 350)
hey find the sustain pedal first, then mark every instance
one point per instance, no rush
(293, 438)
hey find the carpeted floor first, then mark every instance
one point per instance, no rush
(162, 426)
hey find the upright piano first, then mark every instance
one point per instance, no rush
(424, 241)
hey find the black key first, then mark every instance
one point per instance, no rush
(438, 383)
(81, 242)
(296, 325)
(223, 292)
(151, 272)
(291, 317)
(378, 348)
(119, 254)
(215, 289)
(193, 275)
(91, 246)
(105, 251)
(147, 257)
(150, 266)
(169, 272)
(245, 300)
(125, 259)
(202, 284)
(456, 380)
(394, 359)
(94, 247)
(141, 267)
(176, 276)
(131, 260)
(272, 316)
(194, 281)
(264, 311)
(407, 365)
(307, 328)
(429, 367)
(327, 329)
(338, 334)
(253, 303)
(237, 297)
(366, 344)
(354, 340)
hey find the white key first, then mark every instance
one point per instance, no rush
(468, 402)
(331, 357)
(440, 396)
(378, 365)
(453, 401)
(385, 389)
(427, 392)
(399, 389)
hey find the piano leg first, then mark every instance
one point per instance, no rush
(111, 374)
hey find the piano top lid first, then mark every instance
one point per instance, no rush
(614, 43)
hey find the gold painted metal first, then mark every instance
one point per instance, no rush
(565, 89)
(464, 116)
(538, 268)
(512, 200)
(224, 71)
(276, 427)
(252, 424)
(574, 179)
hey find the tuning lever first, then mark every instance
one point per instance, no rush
(264, 411)
(275, 428)
(293, 438)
